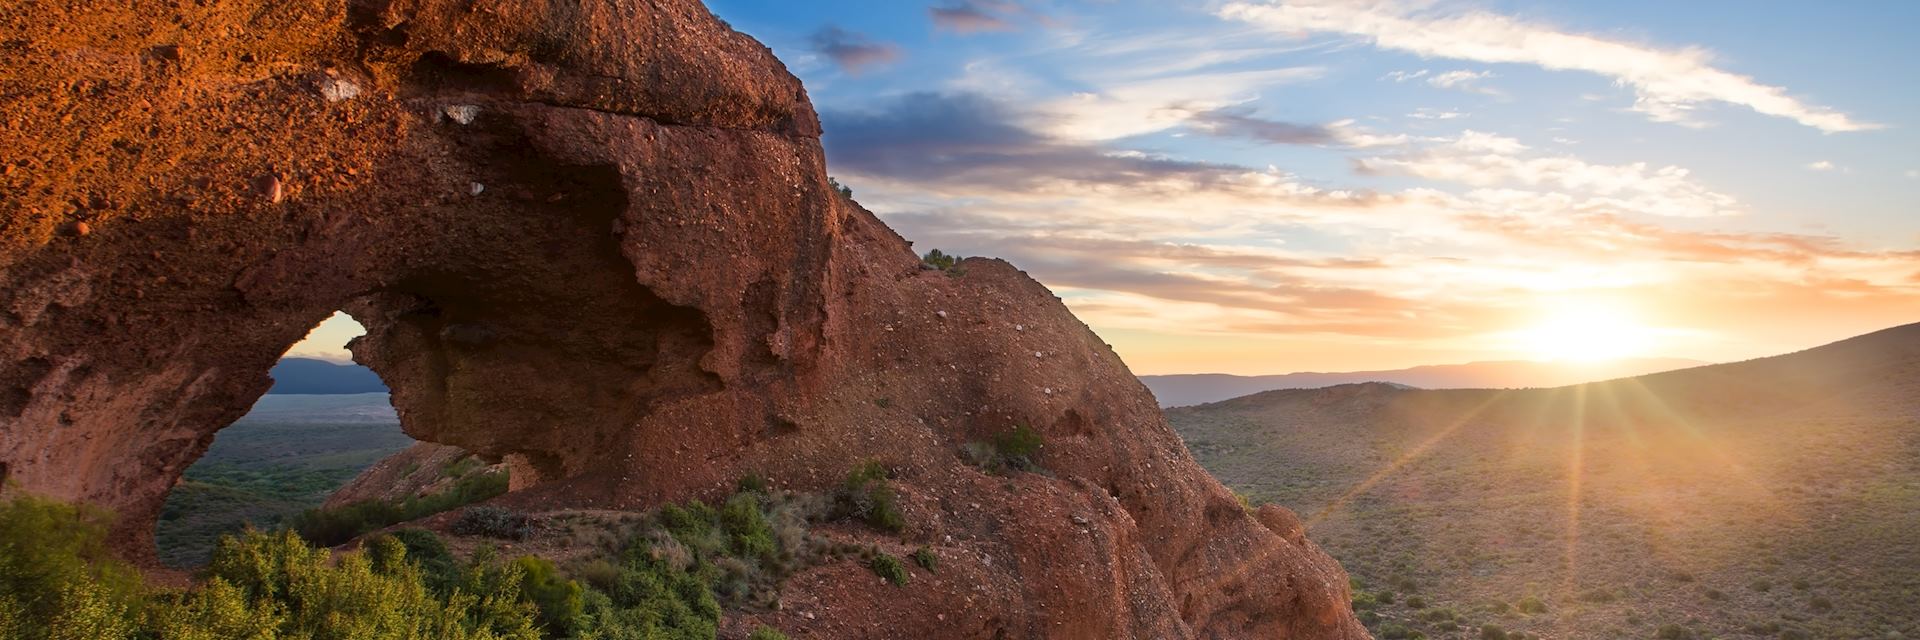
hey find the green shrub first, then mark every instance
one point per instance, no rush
(560, 601)
(936, 259)
(867, 496)
(1385, 597)
(333, 527)
(1397, 631)
(1762, 586)
(1492, 632)
(767, 633)
(843, 190)
(924, 557)
(493, 522)
(888, 567)
(1821, 604)
(438, 568)
(57, 579)
(1416, 603)
(1008, 452)
(1531, 605)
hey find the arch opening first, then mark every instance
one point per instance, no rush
(524, 341)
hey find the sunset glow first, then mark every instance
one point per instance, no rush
(1324, 185)
(1586, 334)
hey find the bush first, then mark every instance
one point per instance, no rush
(493, 522)
(767, 633)
(560, 601)
(843, 190)
(924, 557)
(888, 567)
(936, 259)
(1416, 603)
(336, 526)
(1531, 605)
(1492, 632)
(867, 496)
(1821, 604)
(1762, 586)
(1397, 631)
(1008, 452)
(57, 578)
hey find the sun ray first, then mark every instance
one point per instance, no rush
(1403, 460)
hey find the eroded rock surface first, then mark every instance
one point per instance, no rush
(593, 239)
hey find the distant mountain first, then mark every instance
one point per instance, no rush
(1781, 494)
(1191, 389)
(312, 376)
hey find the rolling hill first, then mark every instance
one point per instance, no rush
(1777, 497)
(1182, 390)
(315, 376)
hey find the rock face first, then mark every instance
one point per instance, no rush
(594, 239)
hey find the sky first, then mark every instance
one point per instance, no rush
(1255, 186)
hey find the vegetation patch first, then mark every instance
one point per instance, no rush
(1013, 451)
(333, 527)
(936, 260)
(869, 497)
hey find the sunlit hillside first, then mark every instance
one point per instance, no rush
(1772, 498)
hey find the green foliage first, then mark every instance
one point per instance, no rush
(333, 527)
(843, 190)
(866, 495)
(493, 522)
(939, 260)
(1009, 452)
(560, 601)
(1397, 631)
(57, 579)
(888, 567)
(924, 557)
(373, 594)
(767, 633)
(752, 483)
(438, 568)
(1531, 605)
(1492, 632)
(58, 583)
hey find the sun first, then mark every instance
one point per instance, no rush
(1585, 333)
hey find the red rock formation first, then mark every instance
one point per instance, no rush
(594, 238)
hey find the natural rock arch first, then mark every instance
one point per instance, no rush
(596, 237)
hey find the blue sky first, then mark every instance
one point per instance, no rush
(1324, 184)
(1258, 186)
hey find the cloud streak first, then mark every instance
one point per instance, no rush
(853, 52)
(1671, 84)
(975, 16)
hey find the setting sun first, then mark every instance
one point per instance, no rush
(1585, 333)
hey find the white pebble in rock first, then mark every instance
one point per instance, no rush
(461, 113)
(476, 188)
(942, 314)
(338, 89)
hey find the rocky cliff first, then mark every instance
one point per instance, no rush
(594, 239)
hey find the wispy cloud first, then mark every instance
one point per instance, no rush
(1462, 80)
(975, 16)
(1822, 166)
(1670, 83)
(1488, 160)
(853, 52)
